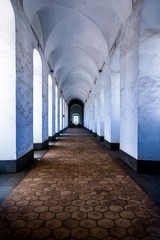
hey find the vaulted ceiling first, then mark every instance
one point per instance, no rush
(76, 36)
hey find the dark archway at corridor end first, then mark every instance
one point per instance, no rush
(76, 112)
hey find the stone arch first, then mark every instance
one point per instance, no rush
(76, 107)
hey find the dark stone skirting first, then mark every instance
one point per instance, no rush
(140, 166)
(100, 138)
(12, 166)
(94, 134)
(57, 134)
(51, 139)
(41, 146)
(111, 146)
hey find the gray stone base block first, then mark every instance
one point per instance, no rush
(57, 134)
(41, 146)
(100, 138)
(51, 139)
(12, 166)
(111, 146)
(140, 166)
(94, 134)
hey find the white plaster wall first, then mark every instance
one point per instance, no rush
(25, 43)
(7, 82)
(95, 112)
(129, 104)
(86, 115)
(45, 71)
(129, 85)
(100, 105)
(95, 108)
(107, 105)
(115, 105)
(112, 99)
(24, 83)
(149, 82)
(98, 109)
(92, 110)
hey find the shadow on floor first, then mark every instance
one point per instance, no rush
(9, 181)
(150, 183)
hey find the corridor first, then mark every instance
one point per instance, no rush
(77, 191)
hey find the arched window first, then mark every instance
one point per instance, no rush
(37, 97)
(7, 81)
(56, 109)
(50, 104)
(75, 118)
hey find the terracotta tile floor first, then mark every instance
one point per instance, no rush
(78, 192)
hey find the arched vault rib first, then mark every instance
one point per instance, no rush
(79, 84)
(77, 31)
(93, 53)
(74, 72)
(79, 96)
(76, 37)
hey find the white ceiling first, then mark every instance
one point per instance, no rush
(76, 36)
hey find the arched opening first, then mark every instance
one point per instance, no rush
(75, 112)
(7, 84)
(75, 119)
(50, 102)
(61, 113)
(56, 109)
(37, 97)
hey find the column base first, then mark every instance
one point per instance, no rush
(111, 146)
(140, 166)
(100, 138)
(90, 131)
(12, 166)
(41, 146)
